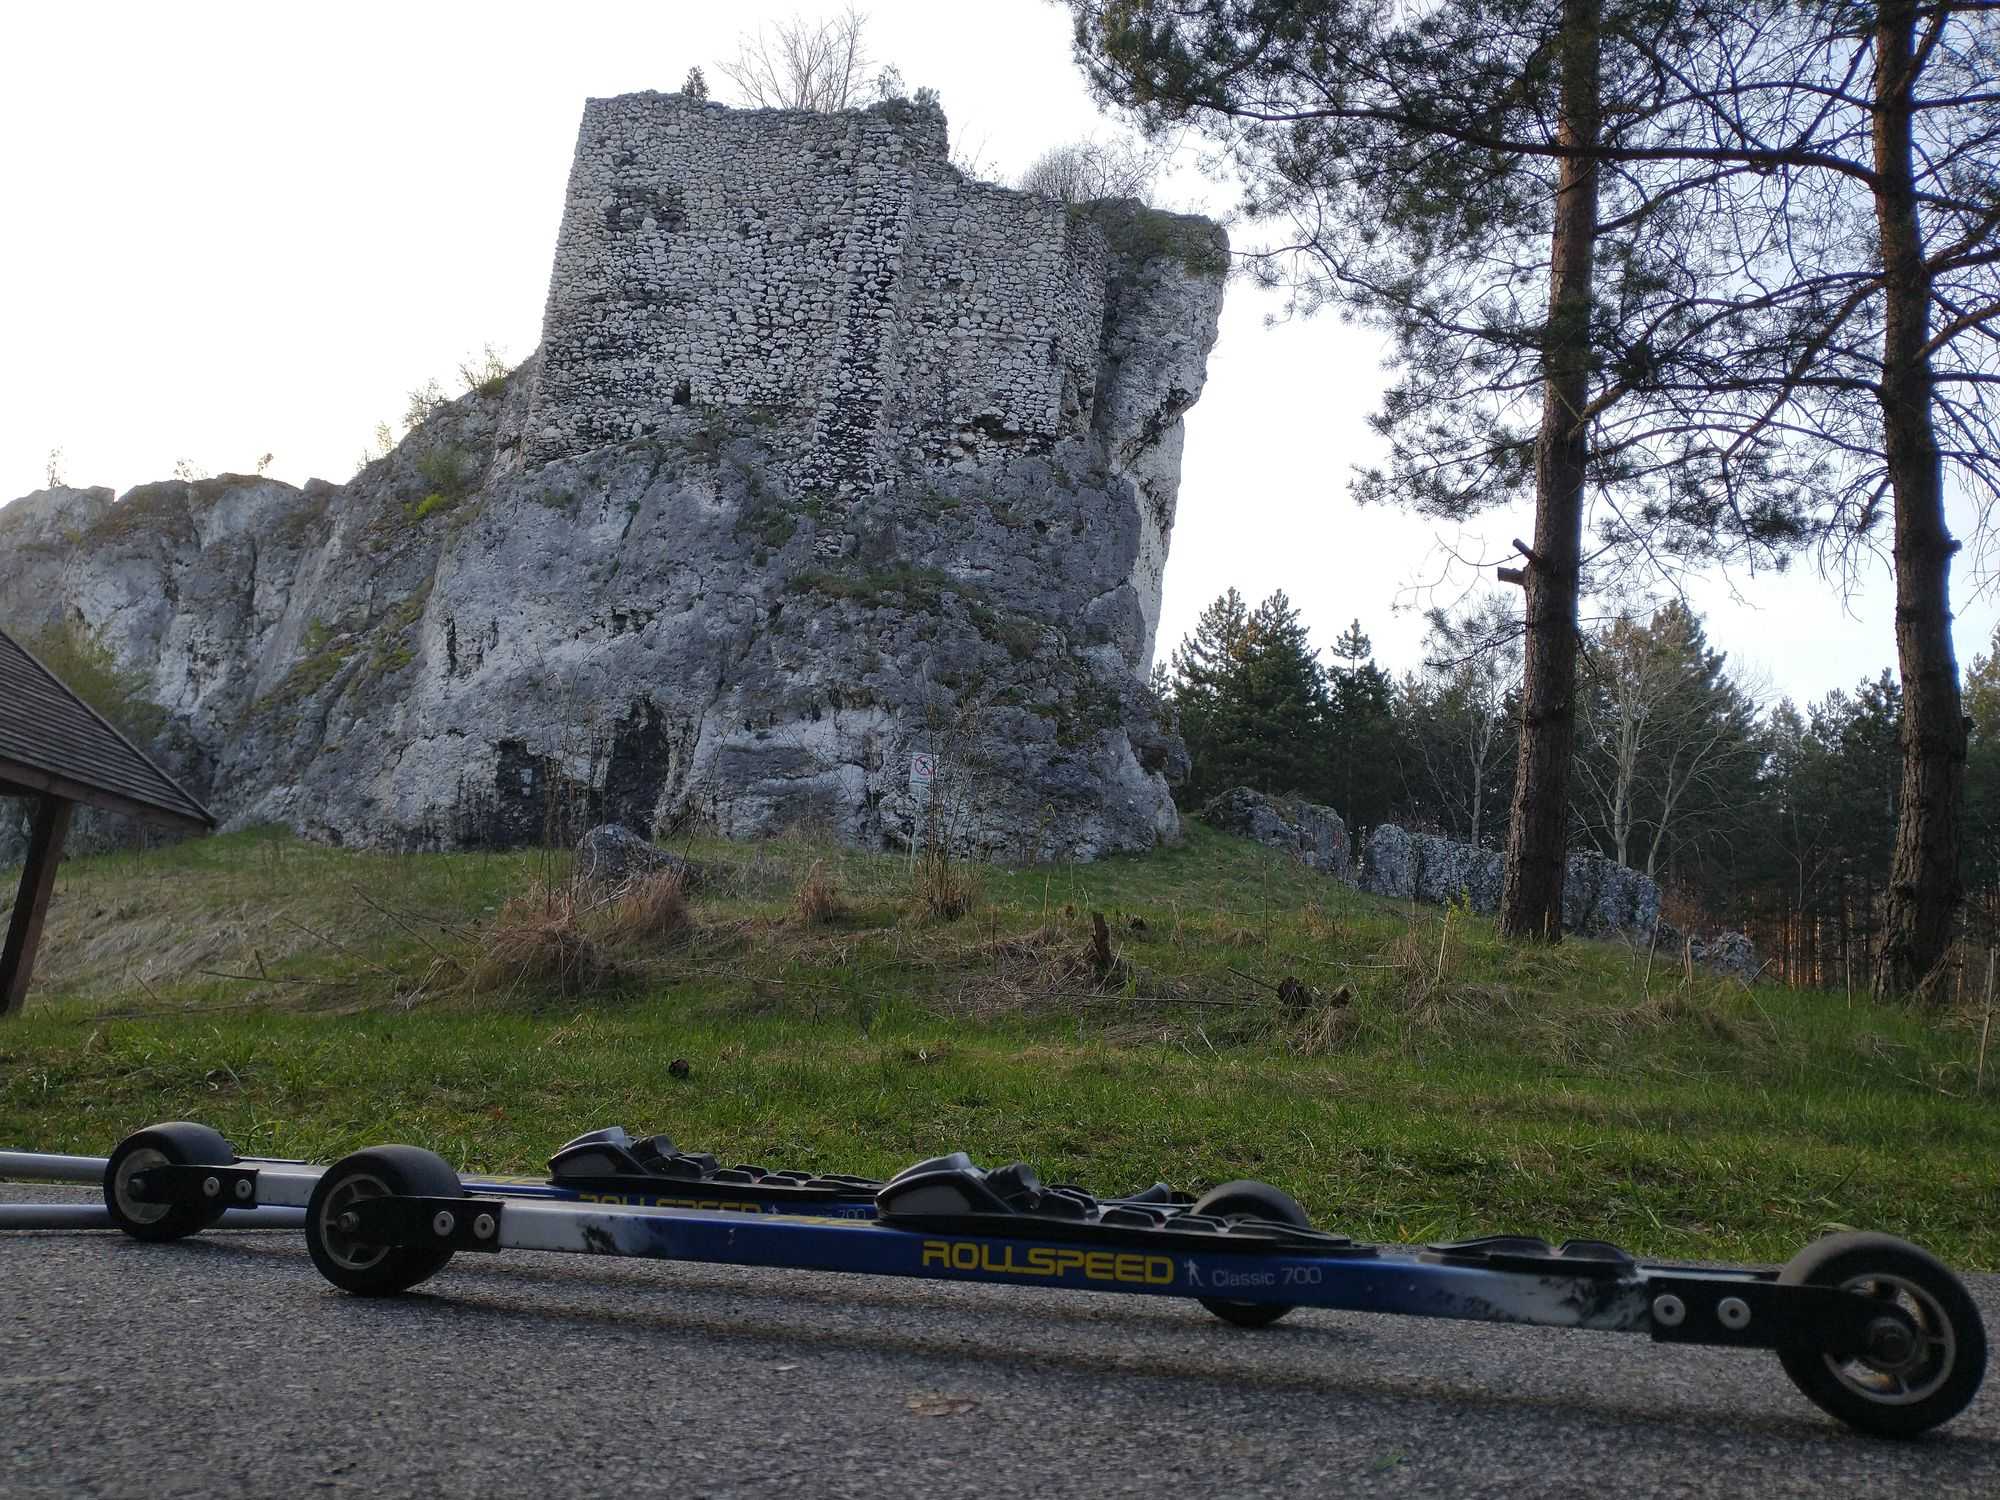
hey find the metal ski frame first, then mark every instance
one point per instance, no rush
(1675, 1304)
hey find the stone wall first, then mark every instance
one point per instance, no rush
(833, 274)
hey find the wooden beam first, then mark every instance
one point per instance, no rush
(33, 781)
(38, 879)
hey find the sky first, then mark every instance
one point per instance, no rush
(232, 230)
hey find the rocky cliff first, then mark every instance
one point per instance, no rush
(522, 622)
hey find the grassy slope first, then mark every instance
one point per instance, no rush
(1465, 1087)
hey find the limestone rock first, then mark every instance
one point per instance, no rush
(1729, 953)
(613, 854)
(1315, 834)
(1423, 867)
(1599, 895)
(745, 593)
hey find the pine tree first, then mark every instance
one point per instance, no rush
(1362, 778)
(1250, 699)
(1206, 679)
(1534, 200)
(695, 85)
(1285, 704)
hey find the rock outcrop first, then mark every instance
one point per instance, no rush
(640, 589)
(1312, 833)
(614, 855)
(1731, 954)
(1599, 895)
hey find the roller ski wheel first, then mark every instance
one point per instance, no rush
(1255, 1200)
(177, 1143)
(1902, 1385)
(358, 1265)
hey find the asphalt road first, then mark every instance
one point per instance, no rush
(225, 1365)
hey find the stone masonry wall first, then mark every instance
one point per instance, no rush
(832, 273)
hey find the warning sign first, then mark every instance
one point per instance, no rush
(923, 767)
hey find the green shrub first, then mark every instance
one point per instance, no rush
(87, 667)
(448, 470)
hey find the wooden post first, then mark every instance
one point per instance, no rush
(31, 905)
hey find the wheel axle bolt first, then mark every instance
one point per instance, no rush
(348, 1222)
(443, 1224)
(483, 1227)
(1889, 1341)
(1733, 1313)
(1668, 1310)
(243, 1188)
(211, 1187)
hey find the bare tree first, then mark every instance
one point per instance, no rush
(1083, 171)
(1661, 726)
(1471, 677)
(820, 65)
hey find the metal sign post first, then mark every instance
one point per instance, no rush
(923, 769)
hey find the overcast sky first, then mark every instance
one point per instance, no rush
(239, 229)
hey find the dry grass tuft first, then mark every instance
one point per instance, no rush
(568, 940)
(1329, 1028)
(647, 910)
(540, 941)
(1428, 987)
(817, 900)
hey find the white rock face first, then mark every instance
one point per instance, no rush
(1599, 895)
(720, 551)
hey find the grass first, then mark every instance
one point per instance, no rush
(1416, 1079)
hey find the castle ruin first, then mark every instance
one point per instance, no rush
(829, 271)
(829, 457)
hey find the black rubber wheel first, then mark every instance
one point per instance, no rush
(174, 1143)
(1891, 1393)
(1255, 1200)
(359, 1266)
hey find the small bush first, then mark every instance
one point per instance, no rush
(429, 506)
(817, 899)
(485, 373)
(448, 470)
(423, 404)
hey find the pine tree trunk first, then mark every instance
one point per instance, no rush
(1924, 886)
(1538, 824)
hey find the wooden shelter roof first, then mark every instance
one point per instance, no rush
(54, 744)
